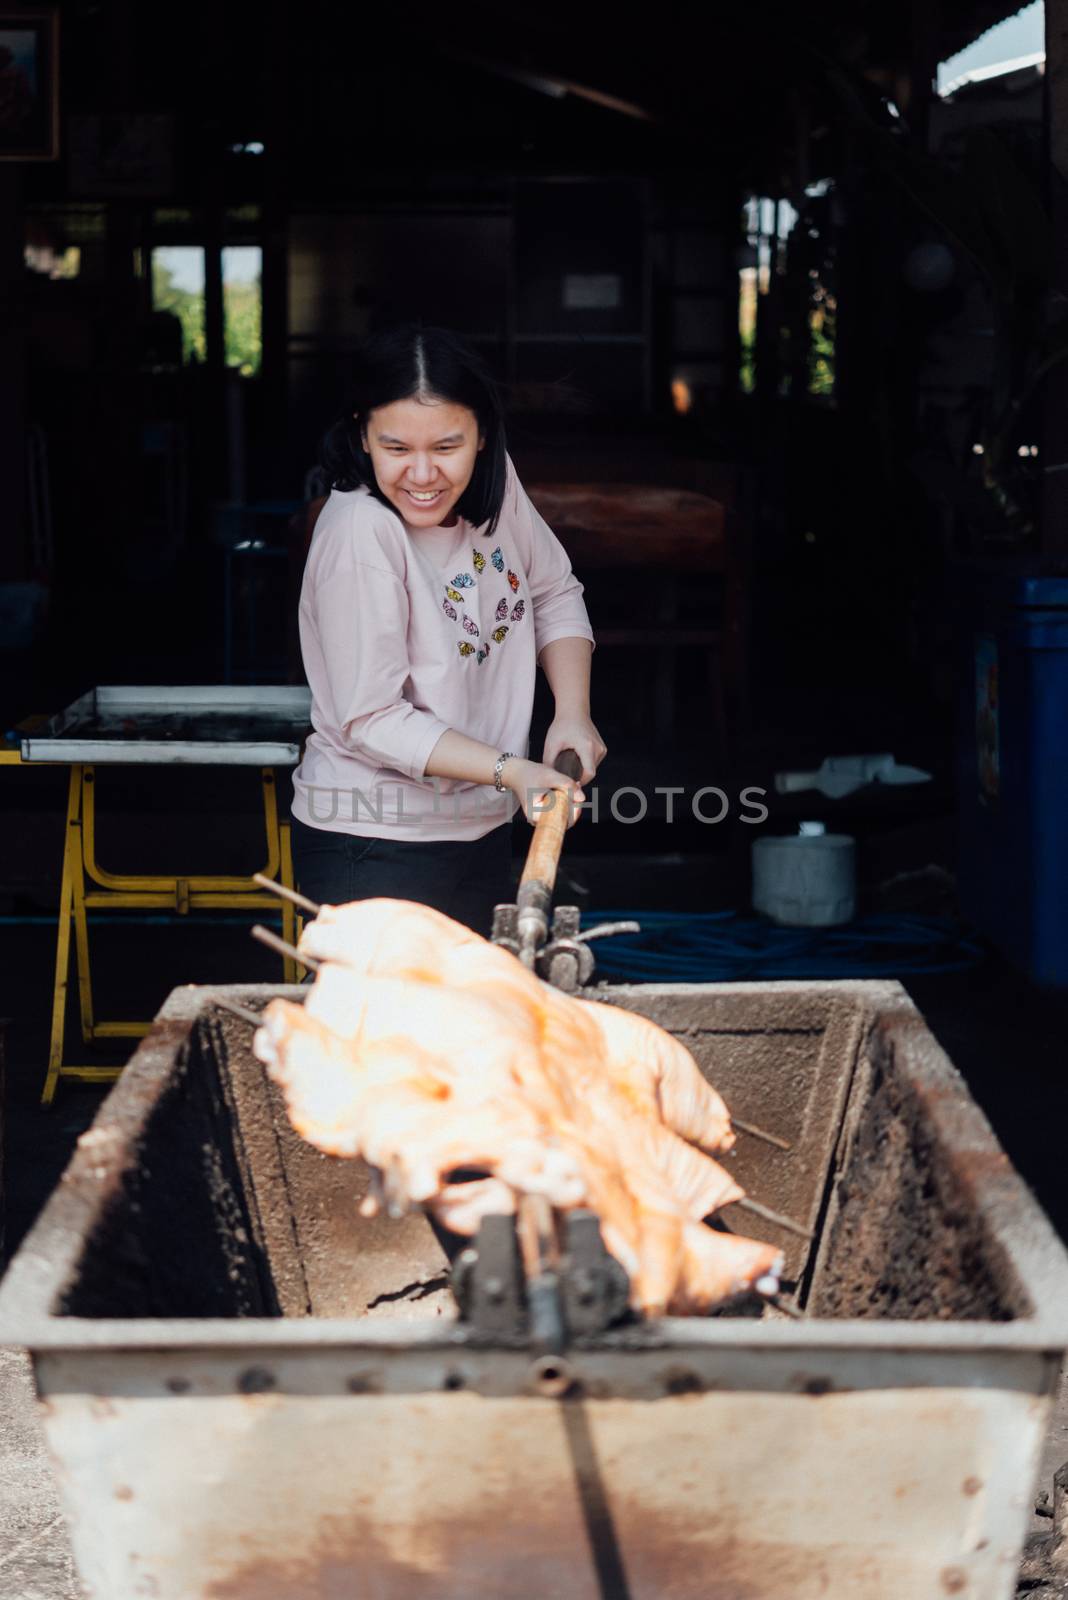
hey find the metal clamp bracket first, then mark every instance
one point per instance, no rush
(576, 1294)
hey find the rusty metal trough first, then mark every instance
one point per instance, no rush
(251, 1392)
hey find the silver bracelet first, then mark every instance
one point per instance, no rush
(498, 768)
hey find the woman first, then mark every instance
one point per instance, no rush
(432, 591)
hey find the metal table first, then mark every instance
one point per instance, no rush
(255, 726)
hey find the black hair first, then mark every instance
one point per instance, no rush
(407, 362)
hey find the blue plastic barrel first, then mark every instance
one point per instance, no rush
(1013, 770)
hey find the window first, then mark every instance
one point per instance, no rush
(242, 276)
(178, 287)
(816, 257)
(768, 224)
(787, 284)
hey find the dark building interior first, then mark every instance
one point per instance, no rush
(789, 320)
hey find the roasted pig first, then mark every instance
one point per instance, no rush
(466, 1081)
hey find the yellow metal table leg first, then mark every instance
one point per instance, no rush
(285, 871)
(270, 822)
(72, 862)
(117, 889)
(81, 926)
(278, 850)
(171, 885)
(292, 970)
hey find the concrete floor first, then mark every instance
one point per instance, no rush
(35, 1555)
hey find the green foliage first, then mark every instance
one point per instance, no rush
(822, 323)
(747, 317)
(747, 363)
(241, 314)
(243, 322)
(186, 305)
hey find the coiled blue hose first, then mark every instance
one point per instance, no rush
(722, 946)
(710, 946)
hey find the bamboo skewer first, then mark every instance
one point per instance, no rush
(280, 946)
(758, 1210)
(758, 1133)
(785, 1307)
(285, 893)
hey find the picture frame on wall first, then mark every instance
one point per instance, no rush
(29, 83)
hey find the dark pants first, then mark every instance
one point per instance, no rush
(465, 878)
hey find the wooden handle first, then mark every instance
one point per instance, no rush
(544, 854)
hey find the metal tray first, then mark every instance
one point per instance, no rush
(261, 725)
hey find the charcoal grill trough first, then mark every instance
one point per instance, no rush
(250, 1391)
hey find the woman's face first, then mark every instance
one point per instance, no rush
(423, 454)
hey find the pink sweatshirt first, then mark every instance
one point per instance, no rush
(408, 632)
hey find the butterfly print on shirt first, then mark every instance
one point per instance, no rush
(454, 592)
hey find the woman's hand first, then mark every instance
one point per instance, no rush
(579, 734)
(531, 781)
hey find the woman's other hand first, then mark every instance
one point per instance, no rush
(579, 734)
(531, 781)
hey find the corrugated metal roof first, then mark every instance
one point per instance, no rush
(1003, 11)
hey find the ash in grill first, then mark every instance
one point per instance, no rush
(216, 1207)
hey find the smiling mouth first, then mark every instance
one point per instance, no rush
(424, 498)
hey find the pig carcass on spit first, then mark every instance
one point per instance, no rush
(428, 1051)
